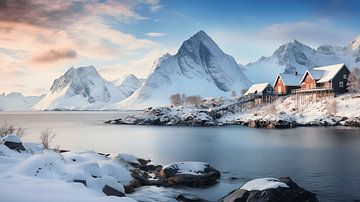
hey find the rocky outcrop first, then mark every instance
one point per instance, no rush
(194, 174)
(270, 190)
(12, 141)
(169, 116)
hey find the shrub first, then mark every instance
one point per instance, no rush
(175, 100)
(46, 137)
(271, 109)
(331, 107)
(6, 129)
(193, 100)
(353, 84)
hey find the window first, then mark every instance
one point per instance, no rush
(345, 76)
(279, 89)
(341, 84)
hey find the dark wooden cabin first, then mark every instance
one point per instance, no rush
(332, 77)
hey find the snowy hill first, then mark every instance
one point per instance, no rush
(128, 84)
(199, 67)
(295, 56)
(80, 89)
(17, 102)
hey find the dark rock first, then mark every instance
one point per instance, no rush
(189, 198)
(292, 194)
(172, 176)
(110, 191)
(80, 181)
(15, 145)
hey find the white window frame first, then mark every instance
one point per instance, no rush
(344, 76)
(341, 84)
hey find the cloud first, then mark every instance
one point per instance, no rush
(315, 33)
(155, 34)
(57, 34)
(54, 56)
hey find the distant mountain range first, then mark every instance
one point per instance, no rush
(199, 67)
(18, 102)
(297, 57)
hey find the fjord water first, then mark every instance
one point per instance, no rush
(322, 160)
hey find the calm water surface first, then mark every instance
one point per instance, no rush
(323, 160)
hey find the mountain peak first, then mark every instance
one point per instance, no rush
(356, 43)
(199, 44)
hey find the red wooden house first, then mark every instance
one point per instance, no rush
(285, 83)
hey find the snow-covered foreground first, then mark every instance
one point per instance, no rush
(45, 175)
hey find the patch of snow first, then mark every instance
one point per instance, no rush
(188, 167)
(257, 89)
(263, 184)
(11, 138)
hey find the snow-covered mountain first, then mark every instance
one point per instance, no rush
(128, 84)
(295, 56)
(199, 67)
(18, 102)
(80, 89)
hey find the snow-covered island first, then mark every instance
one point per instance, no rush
(342, 110)
(41, 174)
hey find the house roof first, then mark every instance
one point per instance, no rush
(290, 79)
(329, 72)
(325, 73)
(257, 88)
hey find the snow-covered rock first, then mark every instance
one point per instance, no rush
(12, 141)
(263, 184)
(295, 56)
(128, 84)
(189, 173)
(199, 67)
(80, 89)
(270, 189)
(18, 102)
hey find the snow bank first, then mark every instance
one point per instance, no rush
(263, 184)
(45, 175)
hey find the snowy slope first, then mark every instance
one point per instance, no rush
(199, 67)
(295, 56)
(17, 102)
(80, 89)
(128, 84)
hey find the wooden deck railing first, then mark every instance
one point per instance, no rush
(315, 89)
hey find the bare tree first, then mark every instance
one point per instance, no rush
(175, 100)
(183, 99)
(6, 129)
(331, 107)
(46, 137)
(353, 83)
(193, 100)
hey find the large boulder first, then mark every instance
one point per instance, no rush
(112, 187)
(270, 190)
(13, 142)
(189, 173)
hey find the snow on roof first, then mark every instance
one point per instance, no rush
(290, 79)
(315, 74)
(329, 72)
(257, 88)
(325, 73)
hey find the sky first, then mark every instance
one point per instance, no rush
(41, 39)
